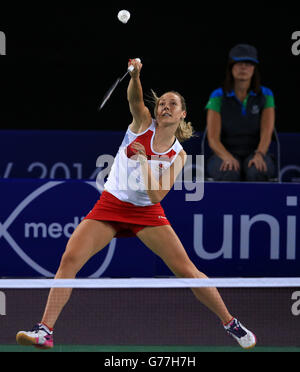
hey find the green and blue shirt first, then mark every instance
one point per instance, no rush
(240, 132)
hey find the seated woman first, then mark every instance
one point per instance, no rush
(240, 122)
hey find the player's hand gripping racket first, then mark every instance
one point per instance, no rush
(113, 87)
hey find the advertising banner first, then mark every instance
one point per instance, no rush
(235, 230)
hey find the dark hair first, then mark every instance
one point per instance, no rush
(228, 85)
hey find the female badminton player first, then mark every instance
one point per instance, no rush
(130, 206)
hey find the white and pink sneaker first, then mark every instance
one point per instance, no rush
(40, 336)
(245, 338)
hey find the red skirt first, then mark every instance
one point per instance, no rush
(126, 218)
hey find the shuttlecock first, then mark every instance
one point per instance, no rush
(123, 16)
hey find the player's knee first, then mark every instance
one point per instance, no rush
(191, 274)
(69, 264)
(187, 271)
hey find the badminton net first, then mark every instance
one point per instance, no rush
(160, 313)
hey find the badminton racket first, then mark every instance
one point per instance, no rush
(114, 86)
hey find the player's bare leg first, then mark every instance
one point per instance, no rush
(88, 239)
(163, 241)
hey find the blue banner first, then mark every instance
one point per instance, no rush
(236, 230)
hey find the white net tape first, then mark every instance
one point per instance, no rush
(151, 283)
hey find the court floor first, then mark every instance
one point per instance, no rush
(129, 349)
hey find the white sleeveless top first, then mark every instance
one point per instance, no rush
(125, 180)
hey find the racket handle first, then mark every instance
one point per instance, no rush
(131, 68)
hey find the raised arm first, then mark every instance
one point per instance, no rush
(140, 113)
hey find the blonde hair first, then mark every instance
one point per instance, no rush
(185, 129)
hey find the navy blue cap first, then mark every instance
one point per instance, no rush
(244, 52)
